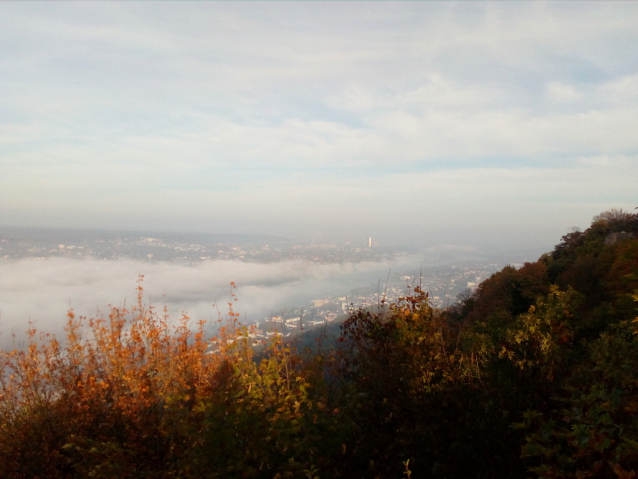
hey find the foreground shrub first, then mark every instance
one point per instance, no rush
(133, 396)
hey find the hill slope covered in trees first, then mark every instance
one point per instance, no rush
(533, 375)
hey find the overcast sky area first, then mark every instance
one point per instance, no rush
(454, 123)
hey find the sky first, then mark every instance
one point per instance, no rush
(474, 123)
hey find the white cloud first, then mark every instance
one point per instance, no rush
(561, 92)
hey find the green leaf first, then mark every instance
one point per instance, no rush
(630, 442)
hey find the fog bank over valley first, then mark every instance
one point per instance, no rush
(42, 290)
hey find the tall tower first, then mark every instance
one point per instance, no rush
(370, 242)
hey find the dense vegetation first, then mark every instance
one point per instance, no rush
(535, 374)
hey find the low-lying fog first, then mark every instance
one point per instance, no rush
(42, 291)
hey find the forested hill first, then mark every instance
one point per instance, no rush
(533, 375)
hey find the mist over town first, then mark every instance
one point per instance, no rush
(46, 272)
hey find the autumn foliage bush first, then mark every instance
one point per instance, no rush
(133, 395)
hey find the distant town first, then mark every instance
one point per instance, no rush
(444, 284)
(17, 243)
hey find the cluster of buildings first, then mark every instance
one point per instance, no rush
(443, 285)
(18, 243)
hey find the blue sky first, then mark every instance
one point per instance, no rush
(457, 123)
